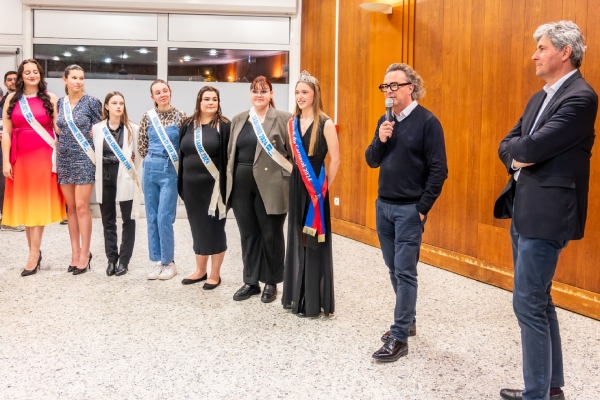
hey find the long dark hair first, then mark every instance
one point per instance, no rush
(159, 81)
(20, 89)
(217, 118)
(260, 82)
(72, 67)
(124, 118)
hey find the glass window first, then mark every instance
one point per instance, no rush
(99, 62)
(221, 65)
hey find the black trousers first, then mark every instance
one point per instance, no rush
(263, 245)
(108, 209)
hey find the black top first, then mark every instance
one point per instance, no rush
(108, 157)
(245, 148)
(3, 100)
(412, 162)
(215, 144)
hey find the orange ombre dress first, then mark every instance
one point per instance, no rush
(33, 197)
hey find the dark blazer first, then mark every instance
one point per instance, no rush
(224, 130)
(550, 198)
(273, 182)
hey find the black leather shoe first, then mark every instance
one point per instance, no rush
(391, 350)
(246, 291)
(211, 286)
(121, 270)
(269, 293)
(412, 331)
(516, 394)
(187, 281)
(78, 271)
(27, 272)
(110, 270)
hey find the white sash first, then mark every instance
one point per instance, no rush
(164, 138)
(38, 128)
(129, 167)
(266, 145)
(216, 198)
(83, 143)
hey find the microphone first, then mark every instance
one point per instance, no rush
(389, 103)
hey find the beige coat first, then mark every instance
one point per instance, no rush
(273, 181)
(126, 187)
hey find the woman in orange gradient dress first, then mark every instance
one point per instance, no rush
(32, 196)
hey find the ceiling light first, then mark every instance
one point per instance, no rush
(108, 60)
(180, 60)
(172, 48)
(187, 58)
(67, 54)
(55, 58)
(124, 56)
(213, 52)
(143, 51)
(80, 48)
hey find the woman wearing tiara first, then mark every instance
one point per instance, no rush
(308, 279)
(32, 196)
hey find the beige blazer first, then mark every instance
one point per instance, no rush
(273, 181)
(126, 187)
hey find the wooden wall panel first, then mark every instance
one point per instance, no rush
(475, 58)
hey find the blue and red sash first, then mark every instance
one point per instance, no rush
(314, 224)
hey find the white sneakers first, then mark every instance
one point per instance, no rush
(168, 271)
(155, 271)
(163, 271)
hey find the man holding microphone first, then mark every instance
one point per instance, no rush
(410, 152)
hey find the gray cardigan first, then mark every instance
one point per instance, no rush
(273, 181)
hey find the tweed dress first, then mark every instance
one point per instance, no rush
(73, 166)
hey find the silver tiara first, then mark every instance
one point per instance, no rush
(306, 77)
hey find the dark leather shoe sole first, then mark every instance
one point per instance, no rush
(269, 299)
(252, 292)
(390, 358)
(514, 394)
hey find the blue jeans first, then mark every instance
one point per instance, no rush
(400, 230)
(160, 195)
(535, 263)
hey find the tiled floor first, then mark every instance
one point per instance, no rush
(98, 337)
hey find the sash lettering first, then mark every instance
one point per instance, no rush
(38, 128)
(114, 146)
(266, 145)
(83, 143)
(216, 198)
(316, 188)
(164, 138)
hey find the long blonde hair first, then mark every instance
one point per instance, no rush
(124, 119)
(317, 106)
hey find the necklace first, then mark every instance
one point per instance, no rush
(28, 96)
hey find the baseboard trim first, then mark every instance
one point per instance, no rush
(565, 296)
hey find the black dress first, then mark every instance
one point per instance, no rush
(195, 185)
(308, 275)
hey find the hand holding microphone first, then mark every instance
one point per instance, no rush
(386, 128)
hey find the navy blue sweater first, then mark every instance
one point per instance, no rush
(412, 162)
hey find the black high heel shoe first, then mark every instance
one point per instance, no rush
(71, 268)
(78, 271)
(27, 272)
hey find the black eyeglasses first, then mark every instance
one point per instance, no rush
(394, 86)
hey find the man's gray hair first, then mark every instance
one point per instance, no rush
(412, 77)
(561, 34)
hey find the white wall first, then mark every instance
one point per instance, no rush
(11, 17)
(229, 29)
(95, 25)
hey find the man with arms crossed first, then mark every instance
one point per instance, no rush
(548, 152)
(411, 156)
